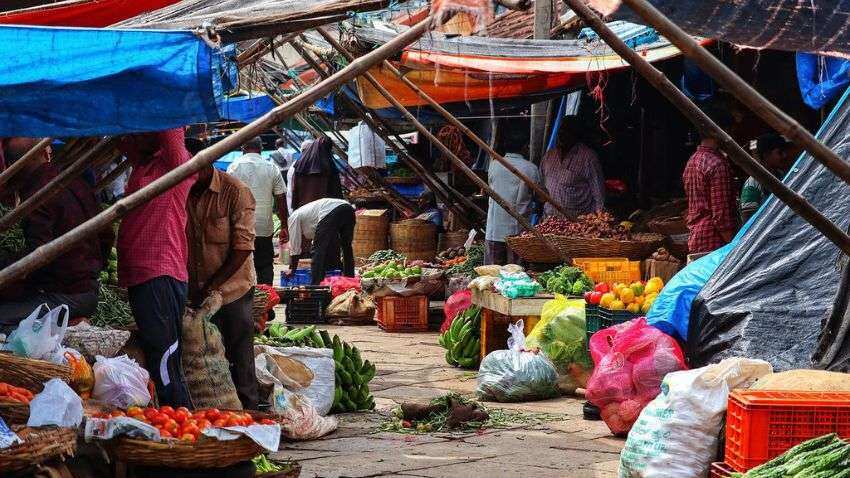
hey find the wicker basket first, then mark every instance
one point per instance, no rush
(30, 373)
(205, 453)
(415, 238)
(370, 233)
(40, 444)
(452, 239)
(531, 249)
(14, 413)
(668, 226)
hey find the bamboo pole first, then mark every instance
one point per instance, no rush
(541, 193)
(746, 94)
(7, 174)
(383, 130)
(452, 157)
(52, 188)
(47, 252)
(793, 200)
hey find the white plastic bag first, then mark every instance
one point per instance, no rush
(56, 405)
(297, 370)
(40, 335)
(120, 382)
(676, 434)
(302, 422)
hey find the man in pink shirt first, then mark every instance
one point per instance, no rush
(152, 258)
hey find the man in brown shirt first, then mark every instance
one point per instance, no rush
(221, 239)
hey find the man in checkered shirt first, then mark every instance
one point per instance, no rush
(710, 191)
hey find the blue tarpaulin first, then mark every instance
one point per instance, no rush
(821, 78)
(246, 108)
(85, 82)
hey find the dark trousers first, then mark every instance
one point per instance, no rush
(334, 232)
(158, 309)
(264, 259)
(498, 253)
(236, 325)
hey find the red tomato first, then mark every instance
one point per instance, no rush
(198, 415)
(234, 422)
(117, 413)
(220, 423)
(166, 410)
(180, 415)
(165, 434)
(595, 298)
(150, 413)
(192, 429)
(602, 287)
(171, 426)
(159, 419)
(203, 423)
(188, 437)
(213, 414)
(135, 411)
(266, 421)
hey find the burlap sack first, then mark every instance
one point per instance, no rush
(352, 307)
(205, 366)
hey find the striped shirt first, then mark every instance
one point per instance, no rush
(574, 180)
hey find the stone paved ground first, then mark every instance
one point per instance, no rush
(411, 367)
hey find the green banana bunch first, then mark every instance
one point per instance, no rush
(462, 340)
(352, 373)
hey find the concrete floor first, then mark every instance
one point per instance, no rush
(549, 439)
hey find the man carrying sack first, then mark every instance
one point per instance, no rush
(221, 240)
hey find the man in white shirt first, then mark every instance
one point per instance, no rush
(329, 223)
(500, 224)
(365, 148)
(264, 180)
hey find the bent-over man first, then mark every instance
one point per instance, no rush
(329, 223)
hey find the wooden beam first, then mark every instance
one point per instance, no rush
(539, 111)
(522, 220)
(47, 252)
(515, 4)
(707, 127)
(746, 94)
(7, 174)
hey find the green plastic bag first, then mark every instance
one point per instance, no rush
(561, 334)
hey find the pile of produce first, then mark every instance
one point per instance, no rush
(11, 393)
(12, 241)
(183, 424)
(474, 258)
(636, 297)
(452, 256)
(353, 374)
(462, 340)
(566, 280)
(597, 225)
(448, 412)
(385, 255)
(264, 465)
(392, 270)
(110, 274)
(112, 310)
(823, 457)
(663, 255)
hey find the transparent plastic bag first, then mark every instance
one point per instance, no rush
(561, 334)
(120, 382)
(516, 375)
(302, 421)
(631, 361)
(40, 335)
(56, 405)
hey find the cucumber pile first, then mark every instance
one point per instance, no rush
(462, 340)
(353, 374)
(823, 457)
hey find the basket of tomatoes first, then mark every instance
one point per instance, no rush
(14, 404)
(183, 444)
(38, 445)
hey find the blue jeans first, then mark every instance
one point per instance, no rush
(158, 306)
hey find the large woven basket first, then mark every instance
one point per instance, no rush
(205, 453)
(14, 413)
(370, 233)
(668, 226)
(532, 249)
(40, 444)
(30, 373)
(415, 238)
(452, 239)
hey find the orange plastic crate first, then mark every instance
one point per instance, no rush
(763, 424)
(609, 269)
(403, 314)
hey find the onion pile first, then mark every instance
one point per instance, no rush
(597, 225)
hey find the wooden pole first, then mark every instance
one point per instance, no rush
(452, 157)
(112, 176)
(541, 193)
(46, 253)
(707, 127)
(746, 94)
(55, 185)
(383, 130)
(539, 111)
(7, 174)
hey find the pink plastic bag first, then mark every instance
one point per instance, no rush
(457, 302)
(340, 284)
(631, 361)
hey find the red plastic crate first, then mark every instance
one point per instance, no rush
(403, 314)
(763, 424)
(720, 470)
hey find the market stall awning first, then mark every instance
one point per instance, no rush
(84, 82)
(793, 25)
(81, 13)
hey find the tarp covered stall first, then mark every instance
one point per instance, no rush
(82, 13)
(770, 295)
(792, 25)
(85, 82)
